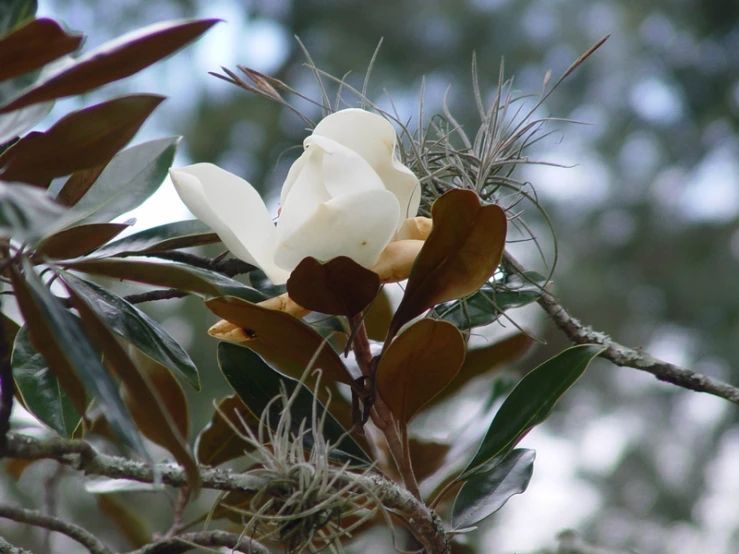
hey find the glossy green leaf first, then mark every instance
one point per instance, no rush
(73, 348)
(14, 124)
(418, 365)
(486, 493)
(170, 236)
(27, 213)
(33, 45)
(159, 424)
(80, 140)
(112, 61)
(40, 390)
(131, 177)
(460, 255)
(218, 443)
(79, 240)
(47, 344)
(530, 403)
(14, 13)
(257, 384)
(486, 305)
(338, 287)
(179, 276)
(127, 321)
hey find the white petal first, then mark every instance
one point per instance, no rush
(403, 183)
(373, 137)
(234, 210)
(292, 175)
(358, 225)
(343, 170)
(306, 194)
(369, 135)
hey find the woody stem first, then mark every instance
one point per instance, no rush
(381, 415)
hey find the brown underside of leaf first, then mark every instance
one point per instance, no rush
(218, 443)
(274, 334)
(460, 255)
(83, 139)
(418, 365)
(79, 240)
(33, 45)
(338, 287)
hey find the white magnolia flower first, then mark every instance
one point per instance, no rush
(346, 195)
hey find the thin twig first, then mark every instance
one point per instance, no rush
(382, 417)
(624, 356)
(7, 388)
(37, 519)
(229, 267)
(153, 295)
(183, 498)
(80, 455)
(186, 542)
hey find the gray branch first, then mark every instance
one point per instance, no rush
(80, 455)
(184, 542)
(38, 519)
(7, 548)
(625, 356)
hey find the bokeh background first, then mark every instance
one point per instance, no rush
(645, 215)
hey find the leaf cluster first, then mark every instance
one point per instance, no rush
(84, 359)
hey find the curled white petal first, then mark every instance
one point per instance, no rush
(343, 170)
(374, 139)
(295, 170)
(307, 192)
(327, 170)
(234, 210)
(358, 225)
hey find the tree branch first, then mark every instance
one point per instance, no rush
(37, 519)
(159, 294)
(7, 548)
(184, 543)
(229, 267)
(80, 455)
(624, 356)
(637, 359)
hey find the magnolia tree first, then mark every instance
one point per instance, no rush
(315, 435)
